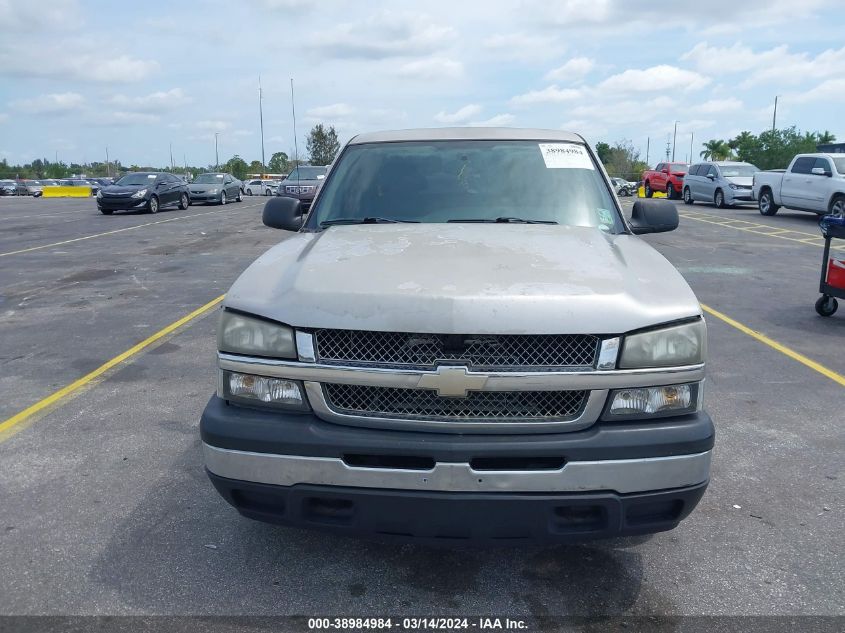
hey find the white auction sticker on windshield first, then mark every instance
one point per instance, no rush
(565, 156)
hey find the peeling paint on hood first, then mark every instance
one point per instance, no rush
(465, 278)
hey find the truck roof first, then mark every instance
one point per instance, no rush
(467, 134)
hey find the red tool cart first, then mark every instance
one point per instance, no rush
(832, 282)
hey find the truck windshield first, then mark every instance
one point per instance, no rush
(839, 161)
(442, 181)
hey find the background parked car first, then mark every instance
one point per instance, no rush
(8, 188)
(148, 191)
(258, 187)
(215, 187)
(723, 183)
(80, 182)
(812, 182)
(624, 187)
(666, 177)
(302, 183)
(30, 188)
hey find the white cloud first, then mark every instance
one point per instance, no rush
(38, 15)
(213, 125)
(72, 62)
(718, 106)
(656, 78)
(55, 103)
(432, 68)
(523, 46)
(552, 94)
(333, 111)
(161, 101)
(383, 35)
(121, 118)
(459, 116)
(499, 120)
(579, 12)
(776, 64)
(574, 69)
(830, 90)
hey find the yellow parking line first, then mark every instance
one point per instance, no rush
(783, 349)
(128, 228)
(13, 424)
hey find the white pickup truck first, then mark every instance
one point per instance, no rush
(812, 182)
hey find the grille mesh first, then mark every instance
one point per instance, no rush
(394, 402)
(480, 352)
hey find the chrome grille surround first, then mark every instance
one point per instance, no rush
(481, 406)
(479, 352)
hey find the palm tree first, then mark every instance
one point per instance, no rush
(826, 137)
(716, 150)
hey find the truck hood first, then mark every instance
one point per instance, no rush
(465, 279)
(740, 180)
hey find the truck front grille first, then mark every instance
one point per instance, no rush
(514, 352)
(425, 404)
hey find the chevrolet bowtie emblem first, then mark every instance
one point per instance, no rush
(452, 381)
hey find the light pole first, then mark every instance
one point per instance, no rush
(775, 114)
(674, 139)
(261, 121)
(216, 155)
(691, 137)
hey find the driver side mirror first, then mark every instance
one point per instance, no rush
(284, 213)
(653, 216)
(820, 171)
(711, 177)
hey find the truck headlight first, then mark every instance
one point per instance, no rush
(684, 344)
(262, 391)
(654, 402)
(240, 334)
(140, 193)
(99, 193)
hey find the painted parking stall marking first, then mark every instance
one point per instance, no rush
(759, 229)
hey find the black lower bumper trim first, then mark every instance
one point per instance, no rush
(461, 517)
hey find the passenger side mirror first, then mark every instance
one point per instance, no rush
(653, 216)
(283, 213)
(665, 170)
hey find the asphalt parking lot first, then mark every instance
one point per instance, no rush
(106, 508)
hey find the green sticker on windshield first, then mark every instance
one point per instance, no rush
(605, 216)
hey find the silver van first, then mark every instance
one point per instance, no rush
(722, 183)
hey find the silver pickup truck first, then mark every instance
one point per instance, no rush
(812, 182)
(464, 340)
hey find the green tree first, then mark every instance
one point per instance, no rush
(603, 152)
(236, 166)
(715, 149)
(322, 145)
(279, 163)
(255, 167)
(826, 137)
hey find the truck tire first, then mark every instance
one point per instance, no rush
(648, 191)
(670, 191)
(766, 203)
(688, 196)
(837, 206)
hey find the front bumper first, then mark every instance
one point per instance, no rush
(612, 479)
(204, 197)
(121, 204)
(738, 195)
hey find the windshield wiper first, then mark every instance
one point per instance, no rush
(505, 220)
(366, 220)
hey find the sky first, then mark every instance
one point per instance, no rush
(77, 76)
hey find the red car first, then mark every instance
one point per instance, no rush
(666, 177)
